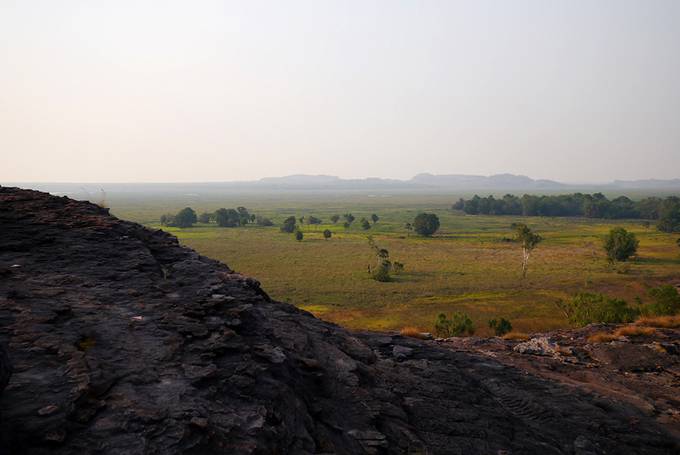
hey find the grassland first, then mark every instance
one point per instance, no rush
(467, 266)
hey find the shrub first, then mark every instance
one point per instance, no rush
(374, 218)
(262, 221)
(500, 326)
(586, 308)
(666, 302)
(412, 332)
(365, 225)
(335, 218)
(327, 234)
(457, 325)
(299, 235)
(620, 244)
(313, 220)
(382, 272)
(398, 267)
(346, 224)
(426, 224)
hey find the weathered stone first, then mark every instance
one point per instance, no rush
(157, 370)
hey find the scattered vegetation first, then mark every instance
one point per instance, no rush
(289, 225)
(365, 225)
(327, 234)
(500, 326)
(299, 235)
(457, 325)
(620, 244)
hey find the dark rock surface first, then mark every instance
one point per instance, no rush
(124, 342)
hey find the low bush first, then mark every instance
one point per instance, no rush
(586, 308)
(459, 324)
(666, 302)
(500, 326)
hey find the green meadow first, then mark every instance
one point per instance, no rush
(468, 265)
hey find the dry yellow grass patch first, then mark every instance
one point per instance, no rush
(665, 322)
(634, 331)
(602, 337)
(413, 332)
(516, 336)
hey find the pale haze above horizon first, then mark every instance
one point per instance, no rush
(170, 91)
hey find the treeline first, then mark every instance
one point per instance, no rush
(239, 216)
(667, 210)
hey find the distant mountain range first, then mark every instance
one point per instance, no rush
(421, 182)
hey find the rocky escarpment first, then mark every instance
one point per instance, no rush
(123, 342)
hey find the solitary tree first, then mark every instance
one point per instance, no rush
(185, 218)
(365, 225)
(620, 244)
(335, 218)
(299, 235)
(529, 241)
(408, 227)
(374, 218)
(426, 224)
(327, 234)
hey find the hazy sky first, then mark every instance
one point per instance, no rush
(575, 90)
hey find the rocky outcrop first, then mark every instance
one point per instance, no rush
(124, 342)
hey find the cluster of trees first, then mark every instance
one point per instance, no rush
(349, 219)
(588, 308)
(239, 216)
(666, 211)
(459, 324)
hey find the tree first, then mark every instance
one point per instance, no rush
(313, 220)
(426, 224)
(302, 220)
(289, 225)
(327, 234)
(186, 217)
(335, 218)
(620, 244)
(500, 326)
(349, 218)
(204, 218)
(243, 216)
(299, 235)
(374, 218)
(529, 241)
(227, 217)
(365, 225)
(666, 301)
(408, 227)
(669, 215)
(457, 325)
(346, 224)
(381, 271)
